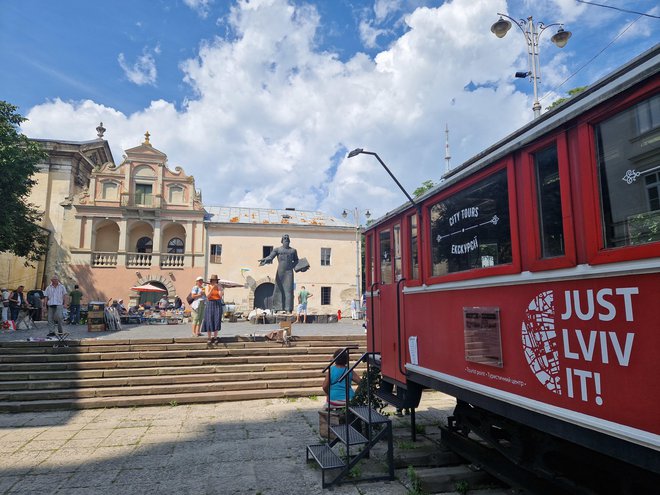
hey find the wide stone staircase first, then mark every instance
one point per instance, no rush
(121, 373)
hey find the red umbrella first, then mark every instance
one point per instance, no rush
(228, 284)
(147, 288)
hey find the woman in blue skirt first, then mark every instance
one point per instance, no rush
(213, 310)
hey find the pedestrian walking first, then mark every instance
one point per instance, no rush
(197, 305)
(55, 297)
(213, 310)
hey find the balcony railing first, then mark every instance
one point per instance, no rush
(140, 200)
(100, 260)
(171, 260)
(138, 260)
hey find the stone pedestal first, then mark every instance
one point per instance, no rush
(337, 417)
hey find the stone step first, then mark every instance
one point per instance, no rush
(93, 345)
(74, 393)
(158, 400)
(91, 373)
(148, 353)
(221, 375)
(152, 371)
(445, 479)
(207, 360)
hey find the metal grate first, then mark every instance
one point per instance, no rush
(354, 436)
(363, 412)
(325, 457)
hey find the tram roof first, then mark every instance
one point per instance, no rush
(641, 67)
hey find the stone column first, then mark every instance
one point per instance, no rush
(155, 258)
(123, 240)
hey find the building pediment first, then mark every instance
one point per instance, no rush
(146, 152)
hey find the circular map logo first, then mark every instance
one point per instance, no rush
(539, 341)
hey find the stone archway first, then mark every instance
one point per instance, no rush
(253, 286)
(160, 280)
(263, 296)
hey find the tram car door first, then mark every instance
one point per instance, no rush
(389, 273)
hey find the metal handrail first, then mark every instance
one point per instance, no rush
(373, 332)
(398, 324)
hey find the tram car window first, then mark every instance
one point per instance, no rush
(398, 274)
(548, 193)
(628, 164)
(471, 228)
(385, 257)
(414, 248)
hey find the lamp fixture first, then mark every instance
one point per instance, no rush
(532, 32)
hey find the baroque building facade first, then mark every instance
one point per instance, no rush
(113, 227)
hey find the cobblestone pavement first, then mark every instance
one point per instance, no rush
(250, 447)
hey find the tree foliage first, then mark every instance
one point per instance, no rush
(20, 233)
(571, 93)
(426, 185)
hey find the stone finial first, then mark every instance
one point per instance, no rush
(146, 139)
(100, 130)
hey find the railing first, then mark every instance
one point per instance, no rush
(140, 200)
(100, 260)
(138, 260)
(172, 260)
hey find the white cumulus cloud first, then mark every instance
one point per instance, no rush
(270, 117)
(143, 71)
(202, 7)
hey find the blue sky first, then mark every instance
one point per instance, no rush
(260, 99)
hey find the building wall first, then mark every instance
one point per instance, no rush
(242, 248)
(65, 172)
(93, 240)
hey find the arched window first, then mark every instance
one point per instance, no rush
(144, 245)
(175, 246)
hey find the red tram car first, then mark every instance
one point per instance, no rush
(527, 285)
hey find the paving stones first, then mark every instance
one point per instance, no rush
(241, 447)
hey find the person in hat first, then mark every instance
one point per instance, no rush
(198, 297)
(213, 310)
(55, 297)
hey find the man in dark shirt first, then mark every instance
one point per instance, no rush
(74, 305)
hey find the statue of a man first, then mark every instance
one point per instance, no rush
(287, 258)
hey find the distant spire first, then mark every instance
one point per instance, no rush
(447, 154)
(100, 130)
(146, 139)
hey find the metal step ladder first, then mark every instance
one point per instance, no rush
(363, 428)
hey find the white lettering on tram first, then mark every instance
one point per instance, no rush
(585, 348)
(466, 247)
(585, 309)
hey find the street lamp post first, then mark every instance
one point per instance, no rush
(532, 32)
(418, 207)
(356, 218)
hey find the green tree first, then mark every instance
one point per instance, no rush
(571, 93)
(20, 233)
(426, 185)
